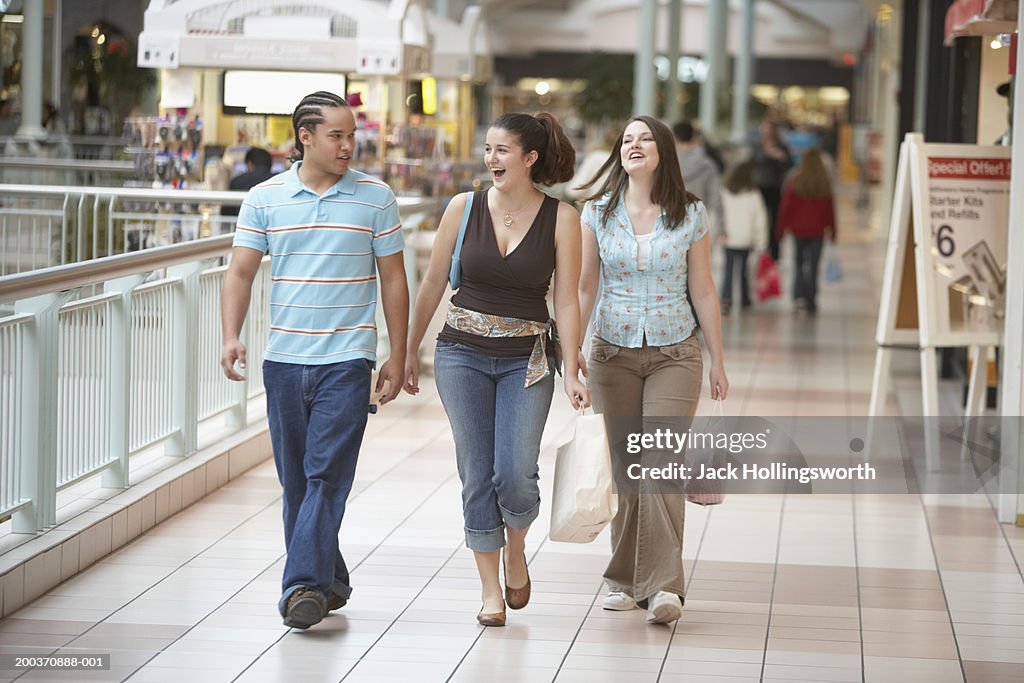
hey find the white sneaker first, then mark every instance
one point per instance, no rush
(664, 608)
(618, 601)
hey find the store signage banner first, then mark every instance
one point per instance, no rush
(158, 50)
(379, 58)
(967, 195)
(945, 270)
(336, 56)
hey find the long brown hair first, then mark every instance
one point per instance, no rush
(668, 190)
(811, 178)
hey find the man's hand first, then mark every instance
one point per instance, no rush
(230, 352)
(390, 379)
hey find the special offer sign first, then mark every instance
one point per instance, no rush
(968, 201)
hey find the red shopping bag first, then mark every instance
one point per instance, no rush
(767, 278)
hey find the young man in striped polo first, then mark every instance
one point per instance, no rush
(331, 232)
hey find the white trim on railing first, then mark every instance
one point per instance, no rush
(76, 398)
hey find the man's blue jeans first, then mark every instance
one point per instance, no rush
(317, 416)
(497, 424)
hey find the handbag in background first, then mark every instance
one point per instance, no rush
(833, 269)
(455, 272)
(583, 499)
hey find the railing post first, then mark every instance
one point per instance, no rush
(39, 417)
(119, 361)
(256, 329)
(83, 230)
(185, 372)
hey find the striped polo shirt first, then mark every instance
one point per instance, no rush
(323, 292)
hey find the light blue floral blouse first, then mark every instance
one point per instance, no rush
(649, 303)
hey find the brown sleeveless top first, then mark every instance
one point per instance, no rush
(514, 286)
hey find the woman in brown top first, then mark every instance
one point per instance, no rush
(491, 360)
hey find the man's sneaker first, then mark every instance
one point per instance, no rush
(335, 602)
(305, 607)
(618, 601)
(664, 608)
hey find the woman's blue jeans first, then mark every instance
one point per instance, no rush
(497, 424)
(805, 275)
(317, 416)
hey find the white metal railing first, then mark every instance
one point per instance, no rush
(104, 359)
(152, 315)
(12, 378)
(83, 388)
(75, 172)
(66, 147)
(81, 395)
(49, 225)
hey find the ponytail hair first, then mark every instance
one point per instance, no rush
(556, 157)
(310, 113)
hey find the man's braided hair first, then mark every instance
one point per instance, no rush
(310, 114)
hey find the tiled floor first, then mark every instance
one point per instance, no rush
(781, 588)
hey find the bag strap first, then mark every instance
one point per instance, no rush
(462, 228)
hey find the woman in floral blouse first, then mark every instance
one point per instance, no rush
(648, 238)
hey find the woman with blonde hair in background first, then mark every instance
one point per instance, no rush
(808, 213)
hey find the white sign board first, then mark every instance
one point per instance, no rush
(158, 50)
(381, 58)
(945, 269)
(954, 200)
(962, 194)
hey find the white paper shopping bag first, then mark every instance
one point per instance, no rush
(583, 501)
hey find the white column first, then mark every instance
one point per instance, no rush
(55, 70)
(32, 70)
(185, 375)
(744, 73)
(886, 106)
(39, 413)
(119, 363)
(643, 67)
(921, 67)
(717, 57)
(1011, 395)
(674, 108)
